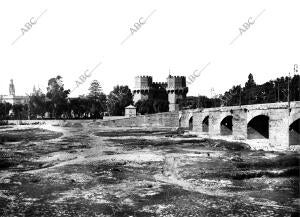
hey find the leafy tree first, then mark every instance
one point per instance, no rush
(192, 102)
(5, 107)
(295, 88)
(232, 96)
(269, 92)
(95, 89)
(37, 104)
(58, 96)
(118, 99)
(144, 106)
(20, 111)
(97, 99)
(79, 107)
(249, 90)
(250, 83)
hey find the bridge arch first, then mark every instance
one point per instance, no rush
(253, 113)
(191, 124)
(294, 130)
(179, 121)
(258, 127)
(226, 125)
(294, 117)
(189, 120)
(205, 124)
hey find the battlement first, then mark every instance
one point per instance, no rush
(142, 82)
(176, 76)
(160, 84)
(144, 76)
(176, 82)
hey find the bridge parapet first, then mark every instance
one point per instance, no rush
(280, 105)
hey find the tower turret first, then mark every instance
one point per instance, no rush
(142, 88)
(176, 90)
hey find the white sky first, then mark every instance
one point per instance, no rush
(74, 36)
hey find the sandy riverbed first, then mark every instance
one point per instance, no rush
(87, 170)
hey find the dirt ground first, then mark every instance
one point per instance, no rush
(82, 169)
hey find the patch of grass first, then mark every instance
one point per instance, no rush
(216, 144)
(3, 122)
(281, 161)
(70, 124)
(28, 134)
(5, 126)
(240, 175)
(12, 159)
(142, 143)
(232, 146)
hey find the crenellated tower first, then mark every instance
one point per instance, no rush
(142, 88)
(176, 90)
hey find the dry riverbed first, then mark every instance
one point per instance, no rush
(81, 169)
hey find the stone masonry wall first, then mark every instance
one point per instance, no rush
(214, 123)
(239, 124)
(197, 119)
(279, 128)
(166, 119)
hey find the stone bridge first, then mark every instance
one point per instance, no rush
(275, 122)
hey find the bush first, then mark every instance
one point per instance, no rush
(3, 122)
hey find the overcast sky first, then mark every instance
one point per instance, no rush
(72, 37)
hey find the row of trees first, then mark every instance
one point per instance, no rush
(18, 110)
(55, 103)
(272, 91)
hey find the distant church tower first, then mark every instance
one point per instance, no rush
(12, 88)
(176, 89)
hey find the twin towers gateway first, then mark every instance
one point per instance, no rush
(175, 87)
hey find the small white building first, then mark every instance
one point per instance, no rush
(130, 111)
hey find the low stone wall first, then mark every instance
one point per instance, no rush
(166, 119)
(46, 121)
(105, 118)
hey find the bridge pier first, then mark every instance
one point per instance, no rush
(239, 121)
(279, 128)
(198, 121)
(214, 123)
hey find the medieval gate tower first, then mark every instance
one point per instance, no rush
(176, 90)
(175, 87)
(142, 88)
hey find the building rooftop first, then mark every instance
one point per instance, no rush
(130, 107)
